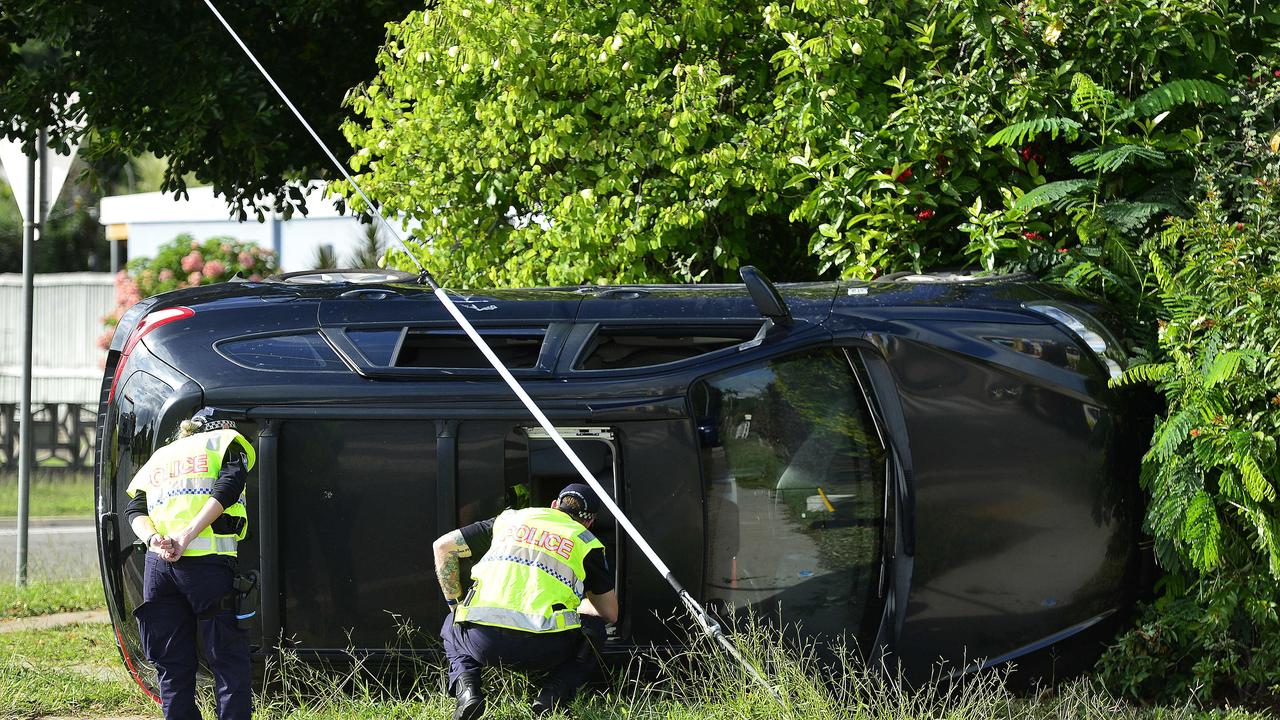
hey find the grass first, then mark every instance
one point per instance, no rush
(49, 497)
(43, 598)
(76, 671)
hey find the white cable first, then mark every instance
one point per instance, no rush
(395, 234)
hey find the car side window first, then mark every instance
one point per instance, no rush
(794, 484)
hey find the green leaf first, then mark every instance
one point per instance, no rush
(1054, 193)
(1021, 132)
(1181, 92)
(1113, 157)
(1202, 531)
(1260, 489)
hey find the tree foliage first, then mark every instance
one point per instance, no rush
(1099, 144)
(163, 77)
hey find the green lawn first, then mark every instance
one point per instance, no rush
(76, 671)
(73, 671)
(43, 598)
(49, 498)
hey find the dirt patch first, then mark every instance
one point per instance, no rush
(44, 622)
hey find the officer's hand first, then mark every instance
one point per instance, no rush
(160, 544)
(177, 545)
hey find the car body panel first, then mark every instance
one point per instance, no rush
(1007, 491)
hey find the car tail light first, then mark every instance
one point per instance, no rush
(146, 325)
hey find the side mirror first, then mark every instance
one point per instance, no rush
(766, 297)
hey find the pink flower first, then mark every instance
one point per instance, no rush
(213, 269)
(194, 244)
(166, 275)
(226, 249)
(194, 278)
(246, 260)
(192, 262)
(255, 278)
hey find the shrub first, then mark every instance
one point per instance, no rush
(185, 262)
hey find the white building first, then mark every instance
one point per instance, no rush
(148, 220)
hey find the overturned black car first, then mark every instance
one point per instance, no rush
(931, 466)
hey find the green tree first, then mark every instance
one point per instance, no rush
(565, 142)
(165, 78)
(557, 142)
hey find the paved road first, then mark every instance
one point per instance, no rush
(59, 549)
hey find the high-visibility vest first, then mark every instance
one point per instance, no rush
(178, 480)
(532, 577)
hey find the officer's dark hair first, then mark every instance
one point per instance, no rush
(573, 506)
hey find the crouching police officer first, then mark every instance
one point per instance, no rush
(542, 594)
(187, 504)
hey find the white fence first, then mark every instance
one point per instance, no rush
(66, 372)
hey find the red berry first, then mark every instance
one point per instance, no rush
(924, 214)
(1030, 235)
(1276, 73)
(1239, 227)
(904, 175)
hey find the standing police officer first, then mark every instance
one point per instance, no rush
(542, 594)
(187, 504)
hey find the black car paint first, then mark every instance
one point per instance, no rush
(1006, 467)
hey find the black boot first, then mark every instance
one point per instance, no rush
(470, 696)
(550, 699)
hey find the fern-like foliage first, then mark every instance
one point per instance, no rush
(1129, 216)
(1145, 373)
(1089, 97)
(1170, 435)
(1060, 194)
(1255, 481)
(1180, 92)
(1113, 157)
(1023, 132)
(1225, 365)
(1202, 531)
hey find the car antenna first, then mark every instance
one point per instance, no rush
(701, 616)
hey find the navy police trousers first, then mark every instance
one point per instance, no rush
(178, 598)
(562, 655)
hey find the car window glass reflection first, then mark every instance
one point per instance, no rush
(795, 493)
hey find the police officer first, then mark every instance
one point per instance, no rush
(187, 504)
(542, 594)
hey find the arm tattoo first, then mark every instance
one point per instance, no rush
(447, 571)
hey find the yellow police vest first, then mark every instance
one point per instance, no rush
(532, 577)
(178, 480)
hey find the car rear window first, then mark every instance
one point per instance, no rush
(304, 352)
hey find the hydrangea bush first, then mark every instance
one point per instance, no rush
(186, 262)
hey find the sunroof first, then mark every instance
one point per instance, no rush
(614, 348)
